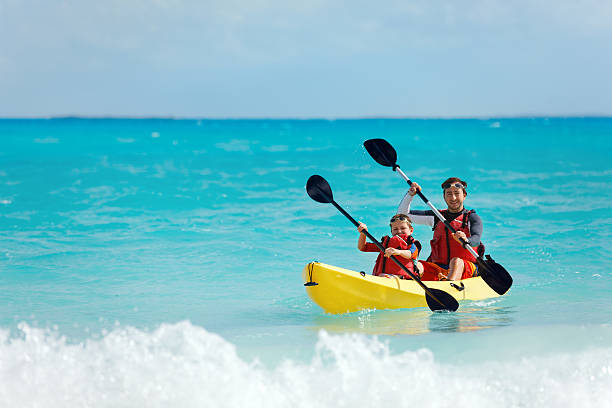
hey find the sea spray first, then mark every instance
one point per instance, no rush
(185, 365)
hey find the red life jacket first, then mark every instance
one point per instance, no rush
(386, 265)
(444, 247)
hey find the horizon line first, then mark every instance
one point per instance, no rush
(328, 118)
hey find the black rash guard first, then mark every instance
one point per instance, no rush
(427, 217)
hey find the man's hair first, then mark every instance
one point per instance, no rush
(453, 180)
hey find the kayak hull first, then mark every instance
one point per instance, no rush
(340, 290)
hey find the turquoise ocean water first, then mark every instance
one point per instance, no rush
(158, 263)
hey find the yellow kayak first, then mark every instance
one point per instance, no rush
(340, 290)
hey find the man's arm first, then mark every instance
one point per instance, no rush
(476, 229)
(426, 217)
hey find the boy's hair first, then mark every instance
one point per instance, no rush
(401, 217)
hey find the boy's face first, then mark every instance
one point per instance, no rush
(400, 227)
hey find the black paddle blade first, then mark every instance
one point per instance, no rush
(381, 151)
(495, 275)
(319, 190)
(446, 301)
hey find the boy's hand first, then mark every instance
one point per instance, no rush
(442, 276)
(362, 227)
(414, 188)
(391, 251)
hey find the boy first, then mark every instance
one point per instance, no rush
(401, 244)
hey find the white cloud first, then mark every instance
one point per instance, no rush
(218, 32)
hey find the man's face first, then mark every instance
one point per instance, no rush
(454, 198)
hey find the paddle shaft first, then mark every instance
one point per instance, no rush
(382, 249)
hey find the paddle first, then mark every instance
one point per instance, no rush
(319, 190)
(491, 272)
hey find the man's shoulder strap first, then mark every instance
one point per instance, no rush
(466, 217)
(436, 220)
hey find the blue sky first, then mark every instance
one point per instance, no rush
(273, 58)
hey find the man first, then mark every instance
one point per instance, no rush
(449, 260)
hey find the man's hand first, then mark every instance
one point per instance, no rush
(413, 189)
(459, 235)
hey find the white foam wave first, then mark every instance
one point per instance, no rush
(46, 140)
(235, 145)
(185, 366)
(275, 148)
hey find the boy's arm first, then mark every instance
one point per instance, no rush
(404, 253)
(361, 241)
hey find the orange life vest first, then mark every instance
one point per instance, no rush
(444, 247)
(386, 265)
